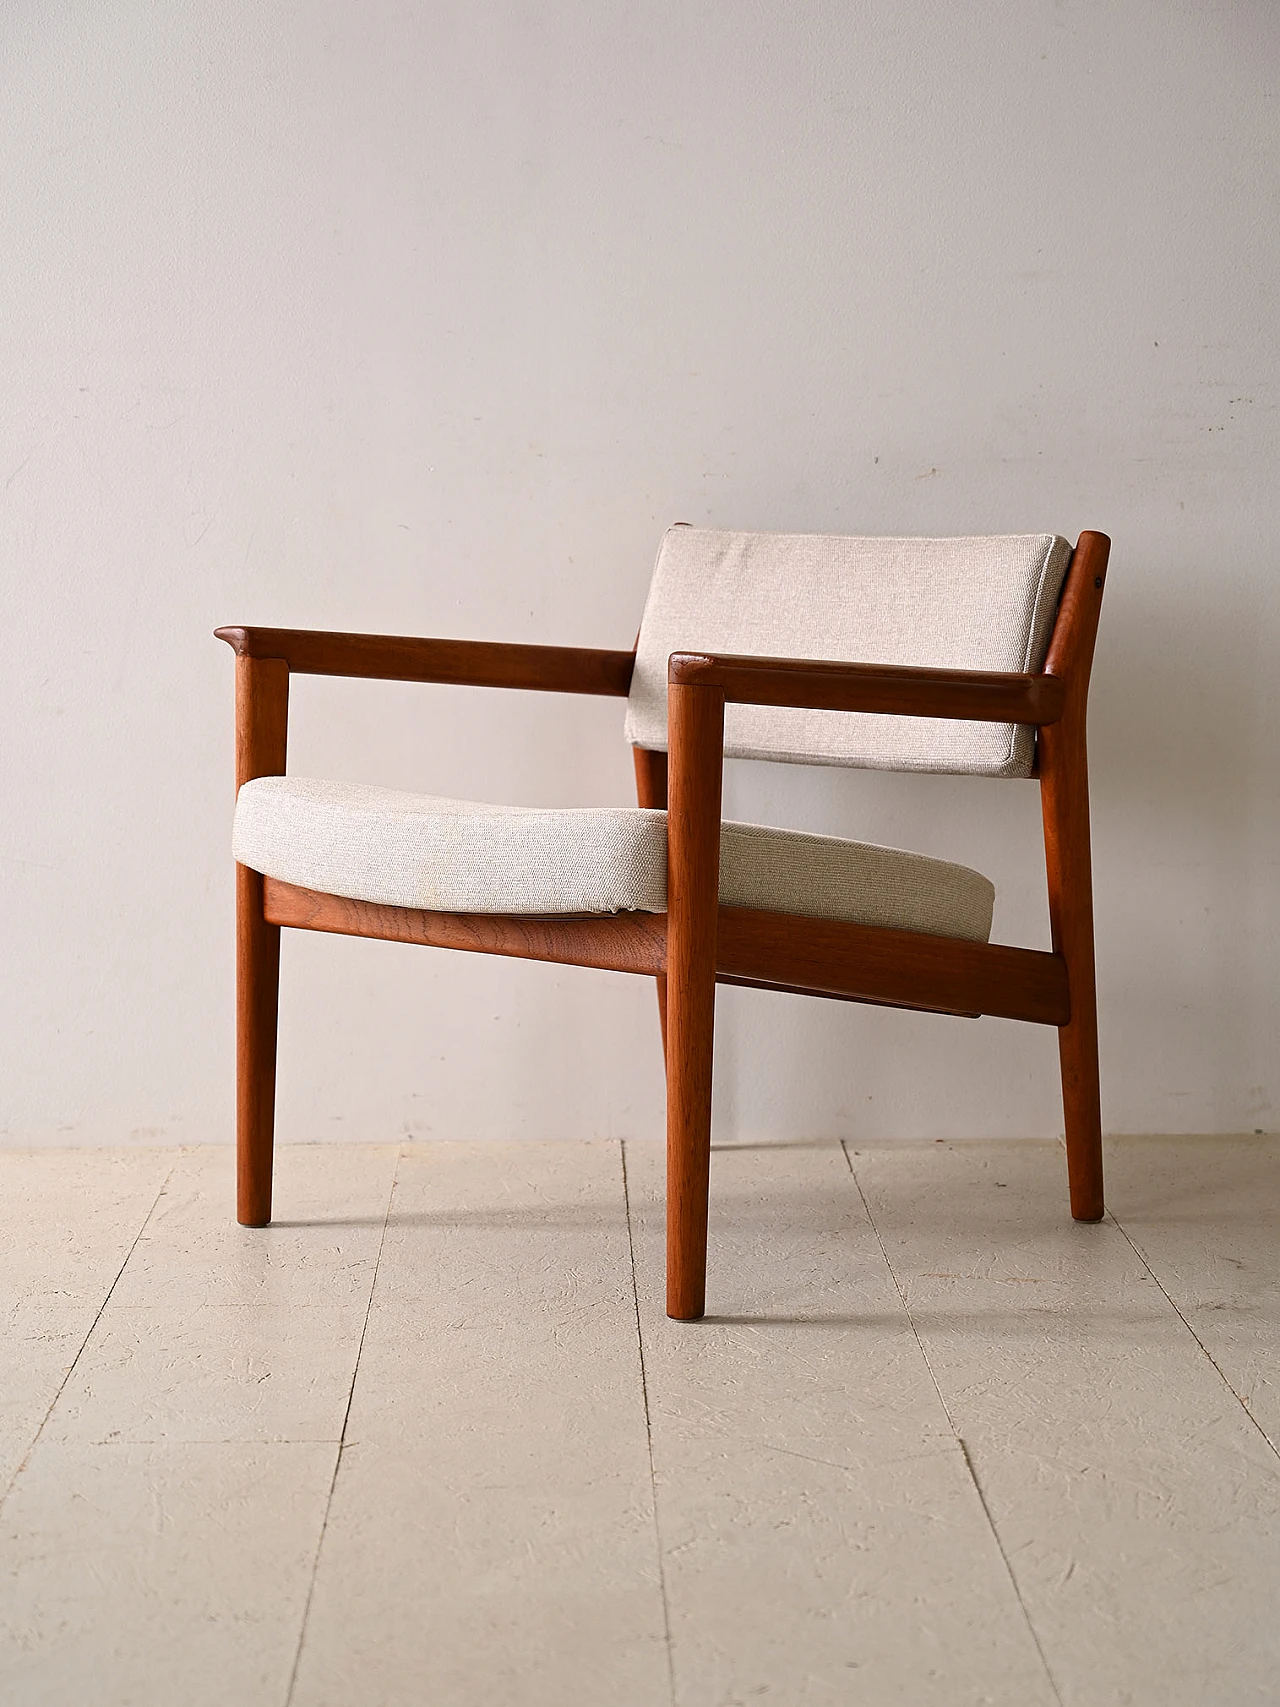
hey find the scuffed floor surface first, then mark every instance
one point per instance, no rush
(430, 1439)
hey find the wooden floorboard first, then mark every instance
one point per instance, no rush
(1202, 1213)
(156, 1574)
(217, 1332)
(159, 1544)
(68, 1220)
(935, 1442)
(1138, 1506)
(822, 1538)
(491, 1535)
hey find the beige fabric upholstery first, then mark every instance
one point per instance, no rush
(416, 850)
(973, 604)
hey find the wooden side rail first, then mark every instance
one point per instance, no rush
(896, 689)
(468, 663)
(866, 963)
(778, 951)
(617, 942)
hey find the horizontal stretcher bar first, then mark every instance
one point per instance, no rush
(781, 951)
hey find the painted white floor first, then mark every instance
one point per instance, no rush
(431, 1440)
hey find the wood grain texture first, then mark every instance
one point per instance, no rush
(651, 791)
(899, 968)
(262, 720)
(473, 663)
(822, 685)
(262, 717)
(695, 720)
(772, 951)
(619, 942)
(1064, 798)
(774, 987)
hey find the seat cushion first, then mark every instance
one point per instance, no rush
(961, 604)
(461, 856)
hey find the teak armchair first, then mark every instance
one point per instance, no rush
(743, 904)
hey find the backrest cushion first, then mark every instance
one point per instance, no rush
(960, 604)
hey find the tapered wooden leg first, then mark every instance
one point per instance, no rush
(1082, 1109)
(661, 983)
(1064, 796)
(257, 996)
(696, 719)
(651, 790)
(262, 715)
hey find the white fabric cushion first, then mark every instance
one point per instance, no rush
(460, 856)
(960, 604)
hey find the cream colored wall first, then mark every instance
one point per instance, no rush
(428, 319)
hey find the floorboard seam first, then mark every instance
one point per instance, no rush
(648, 1429)
(902, 1297)
(960, 1441)
(342, 1437)
(995, 1536)
(1195, 1336)
(74, 1364)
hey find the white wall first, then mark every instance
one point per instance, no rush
(429, 318)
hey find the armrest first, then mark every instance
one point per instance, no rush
(896, 689)
(473, 663)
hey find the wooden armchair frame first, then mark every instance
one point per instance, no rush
(699, 943)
